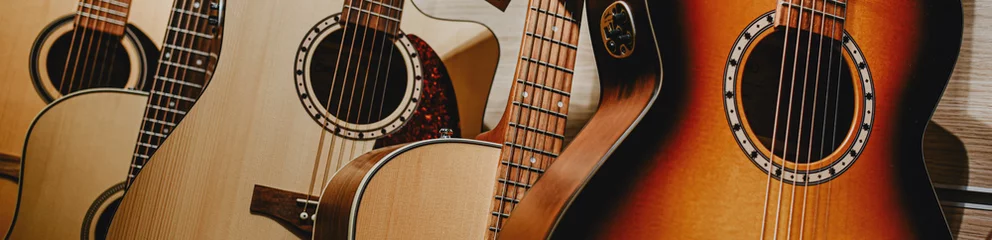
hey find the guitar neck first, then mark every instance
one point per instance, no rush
(380, 15)
(824, 17)
(108, 16)
(188, 53)
(538, 103)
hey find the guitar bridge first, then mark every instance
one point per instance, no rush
(295, 211)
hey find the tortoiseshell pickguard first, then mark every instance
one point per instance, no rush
(436, 108)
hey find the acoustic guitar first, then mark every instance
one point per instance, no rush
(81, 154)
(50, 48)
(55, 47)
(788, 119)
(462, 188)
(301, 91)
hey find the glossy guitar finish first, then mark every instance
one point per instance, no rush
(250, 133)
(684, 172)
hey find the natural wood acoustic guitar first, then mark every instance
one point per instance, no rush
(83, 149)
(462, 188)
(49, 48)
(301, 91)
(787, 119)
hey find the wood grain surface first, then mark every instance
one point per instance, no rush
(958, 143)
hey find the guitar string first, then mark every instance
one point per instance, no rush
(92, 28)
(342, 157)
(389, 63)
(802, 118)
(551, 75)
(75, 31)
(99, 64)
(78, 30)
(819, 57)
(346, 12)
(788, 119)
(162, 69)
(108, 80)
(383, 49)
(523, 68)
(778, 98)
(196, 6)
(840, 64)
(344, 121)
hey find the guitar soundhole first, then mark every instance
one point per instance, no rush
(365, 83)
(81, 60)
(816, 102)
(103, 221)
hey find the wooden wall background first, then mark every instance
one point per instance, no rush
(958, 142)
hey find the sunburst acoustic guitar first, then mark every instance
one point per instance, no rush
(50, 48)
(80, 153)
(300, 92)
(462, 188)
(788, 119)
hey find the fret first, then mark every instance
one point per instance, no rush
(546, 64)
(198, 86)
(530, 149)
(542, 87)
(542, 37)
(514, 183)
(542, 110)
(117, 3)
(190, 32)
(191, 13)
(169, 95)
(187, 67)
(824, 17)
(153, 134)
(103, 9)
(372, 13)
(814, 11)
(494, 229)
(397, 8)
(160, 108)
(152, 120)
(532, 129)
(546, 12)
(189, 50)
(101, 18)
(506, 199)
(137, 166)
(142, 156)
(517, 165)
(502, 215)
(147, 145)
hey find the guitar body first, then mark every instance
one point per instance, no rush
(696, 166)
(41, 29)
(392, 185)
(78, 151)
(255, 127)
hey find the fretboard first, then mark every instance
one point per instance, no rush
(824, 17)
(381, 15)
(109, 16)
(189, 53)
(538, 102)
